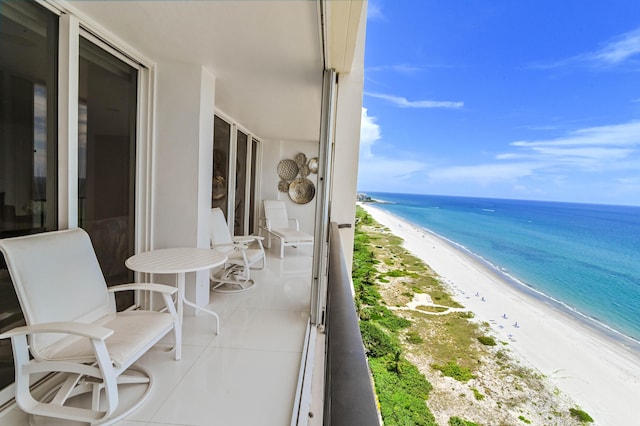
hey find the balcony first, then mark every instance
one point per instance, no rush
(251, 372)
(246, 375)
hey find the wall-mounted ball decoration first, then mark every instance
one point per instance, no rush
(301, 190)
(287, 169)
(313, 165)
(300, 159)
(283, 186)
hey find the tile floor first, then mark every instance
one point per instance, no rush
(246, 375)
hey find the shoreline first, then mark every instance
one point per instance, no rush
(595, 366)
(596, 325)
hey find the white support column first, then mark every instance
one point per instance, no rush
(183, 164)
(68, 70)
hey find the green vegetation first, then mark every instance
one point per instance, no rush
(477, 395)
(453, 343)
(414, 337)
(580, 415)
(524, 419)
(457, 421)
(401, 389)
(453, 370)
(487, 340)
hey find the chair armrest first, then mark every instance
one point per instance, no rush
(296, 223)
(225, 248)
(247, 238)
(91, 331)
(160, 288)
(267, 224)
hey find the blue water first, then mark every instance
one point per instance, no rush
(587, 257)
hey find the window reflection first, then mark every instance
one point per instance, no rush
(28, 129)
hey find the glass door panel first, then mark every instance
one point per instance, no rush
(252, 188)
(28, 129)
(107, 109)
(241, 182)
(221, 145)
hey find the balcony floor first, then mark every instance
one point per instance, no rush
(246, 375)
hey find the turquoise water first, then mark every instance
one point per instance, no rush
(587, 257)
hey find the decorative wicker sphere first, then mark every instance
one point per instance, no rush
(313, 165)
(300, 159)
(283, 186)
(301, 191)
(287, 169)
(304, 171)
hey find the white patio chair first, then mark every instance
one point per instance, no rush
(235, 275)
(73, 329)
(279, 225)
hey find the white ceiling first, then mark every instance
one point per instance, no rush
(266, 55)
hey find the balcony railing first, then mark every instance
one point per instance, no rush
(349, 398)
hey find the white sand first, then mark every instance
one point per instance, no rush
(599, 373)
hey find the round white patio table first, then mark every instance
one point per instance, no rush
(178, 261)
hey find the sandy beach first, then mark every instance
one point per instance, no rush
(597, 371)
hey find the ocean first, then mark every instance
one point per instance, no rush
(583, 257)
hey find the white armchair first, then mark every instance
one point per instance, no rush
(73, 328)
(235, 275)
(279, 225)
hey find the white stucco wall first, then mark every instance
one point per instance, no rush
(183, 163)
(273, 153)
(347, 145)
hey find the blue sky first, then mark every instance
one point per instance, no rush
(530, 99)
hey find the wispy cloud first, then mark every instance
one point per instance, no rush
(623, 48)
(620, 50)
(374, 11)
(593, 149)
(484, 173)
(625, 134)
(399, 68)
(404, 103)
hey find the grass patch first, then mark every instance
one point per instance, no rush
(457, 421)
(455, 371)
(414, 338)
(487, 340)
(477, 394)
(580, 415)
(434, 309)
(524, 419)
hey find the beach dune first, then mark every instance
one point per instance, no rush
(600, 372)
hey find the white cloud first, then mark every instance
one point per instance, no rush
(369, 134)
(484, 173)
(594, 149)
(626, 46)
(404, 103)
(381, 173)
(625, 134)
(616, 52)
(374, 11)
(399, 68)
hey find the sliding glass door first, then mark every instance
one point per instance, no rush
(107, 111)
(28, 138)
(234, 185)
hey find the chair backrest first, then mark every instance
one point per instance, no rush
(57, 277)
(220, 234)
(276, 213)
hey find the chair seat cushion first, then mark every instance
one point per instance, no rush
(292, 235)
(134, 331)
